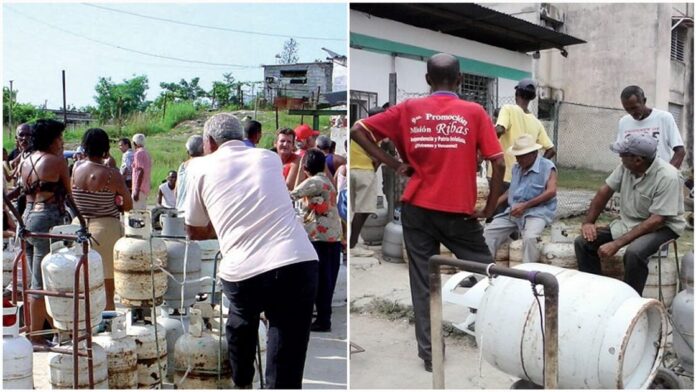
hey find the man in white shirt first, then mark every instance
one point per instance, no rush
(655, 122)
(268, 263)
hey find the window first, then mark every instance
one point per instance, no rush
(479, 89)
(676, 111)
(678, 40)
(360, 103)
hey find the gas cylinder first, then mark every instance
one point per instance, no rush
(204, 356)
(482, 192)
(62, 371)
(393, 240)
(502, 254)
(561, 250)
(683, 336)
(609, 337)
(58, 269)
(183, 258)
(148, 354)
(17, 351)
(686, 273)
(8, 255)
(209, 250)
(667, 273)
(173, 330)
(683, 315)
(373, 230)
(134, 257)
(122, 359)
(515, 253)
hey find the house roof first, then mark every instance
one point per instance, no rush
(473, 22)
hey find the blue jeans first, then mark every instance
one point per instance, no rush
(40, 222)
(286, 296)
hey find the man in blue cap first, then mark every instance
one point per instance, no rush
(652, 211)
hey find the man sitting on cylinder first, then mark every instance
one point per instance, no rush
(531, 200)
(652, 211)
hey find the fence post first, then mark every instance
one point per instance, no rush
(556, 112)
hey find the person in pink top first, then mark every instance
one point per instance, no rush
(438, 137)
(142, 168)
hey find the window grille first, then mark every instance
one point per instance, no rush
(678, 40)
(676, 111)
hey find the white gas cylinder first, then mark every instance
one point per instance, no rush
(609, 337)
(515, 253)
(203, 356)
(183, 261)
(17, 351)
(173, 327)
(669, 277)
(9, 252)
(62, 371)
(134, 257)
(683, 334)
(482, 191)
(58, 269)
(209, 250)
(149, 357)
(122, 359)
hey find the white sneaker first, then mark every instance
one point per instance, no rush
(359, 251)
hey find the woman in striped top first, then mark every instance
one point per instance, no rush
(101, 195)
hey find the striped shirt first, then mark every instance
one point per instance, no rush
(96, 204)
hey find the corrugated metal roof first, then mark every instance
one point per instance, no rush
(473, 22)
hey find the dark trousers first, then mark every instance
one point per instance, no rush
(424, 231)
(635, 258)
(286, 295)
(329, 262)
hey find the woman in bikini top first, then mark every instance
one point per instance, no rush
(44, 173)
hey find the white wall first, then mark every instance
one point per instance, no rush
(369, 71)
(400, 32)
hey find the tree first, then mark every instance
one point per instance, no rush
(116, 100)
(225, 92)
(289, 54)
(184, 90)
(21, 112)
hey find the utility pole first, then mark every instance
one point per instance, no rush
(10, 114)
(65, 106)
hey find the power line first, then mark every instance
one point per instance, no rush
(128, 49)
(214, 27)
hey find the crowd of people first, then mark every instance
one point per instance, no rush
(438, 139)
(275, 213)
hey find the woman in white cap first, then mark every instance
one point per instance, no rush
(531, 200)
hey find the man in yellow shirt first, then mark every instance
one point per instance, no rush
(516, 120)
(363, 192)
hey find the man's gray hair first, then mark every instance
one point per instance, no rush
(194, 145)
(223, 127)
(139, 139)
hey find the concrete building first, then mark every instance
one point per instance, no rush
(389, 44)
(649, 45)
(298, 80)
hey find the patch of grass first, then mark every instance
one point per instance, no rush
(577, 178)
(391, 310)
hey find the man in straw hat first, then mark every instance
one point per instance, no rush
(652, 211)
(531, 199)
(439, 136)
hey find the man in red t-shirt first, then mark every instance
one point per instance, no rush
(438, 136)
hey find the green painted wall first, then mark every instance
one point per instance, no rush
(379, 45)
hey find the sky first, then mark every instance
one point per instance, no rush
(93, 40)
